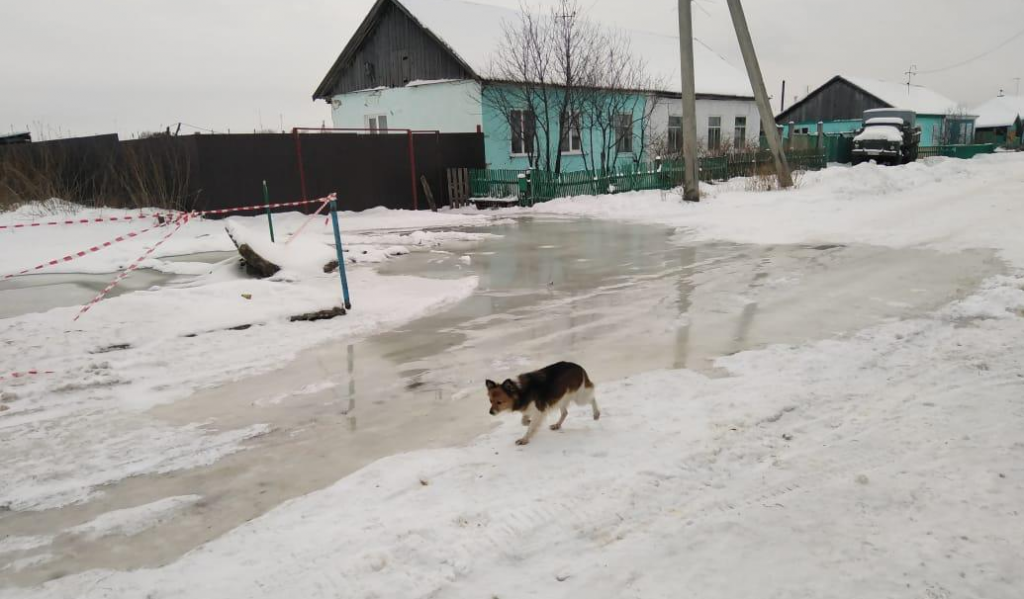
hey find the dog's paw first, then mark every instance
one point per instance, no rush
(522, 441)
(597, 415)
(556, 427)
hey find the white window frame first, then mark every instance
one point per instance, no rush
(714, 128)
(678, 129)
(524, 139)
(574, 135)
(373, 122)
(739, 141)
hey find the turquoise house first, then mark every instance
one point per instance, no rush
(424, 65)
(841, 101)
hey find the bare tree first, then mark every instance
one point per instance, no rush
(559, 74)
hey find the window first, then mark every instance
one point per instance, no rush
(523, 127)
(377, 123)
(623, 132)
(675, 133)
(714, 132)
(572, 140)
(739, 133)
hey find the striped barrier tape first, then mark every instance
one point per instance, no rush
(87, 221)
(18, 375)
(260, 207)
(181, 220)
(83, 253)
(326, 200)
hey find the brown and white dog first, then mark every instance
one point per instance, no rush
(536, 393)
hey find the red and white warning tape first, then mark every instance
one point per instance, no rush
(326, 200)
(18, 375)
(181, 220)
(83, 253)
(87, 221)
(260, 207)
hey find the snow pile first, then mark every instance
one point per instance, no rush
(880, 133)
(940, 203)
(842, 468)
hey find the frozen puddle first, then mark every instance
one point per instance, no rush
(620, 299)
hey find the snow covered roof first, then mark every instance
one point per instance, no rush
(999, 112)
(473, 32)
(899, 95)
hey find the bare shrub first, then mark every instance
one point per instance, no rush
(765, 179)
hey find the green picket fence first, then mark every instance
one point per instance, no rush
(540, 186)
(960, 151)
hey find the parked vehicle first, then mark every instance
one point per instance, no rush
(889, 136)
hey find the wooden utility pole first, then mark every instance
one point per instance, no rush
(691, 169)
(739, 21)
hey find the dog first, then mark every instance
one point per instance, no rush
(536, 393)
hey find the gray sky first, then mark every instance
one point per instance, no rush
(99, 66)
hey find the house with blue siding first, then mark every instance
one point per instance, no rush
(840, 103)
(428, 65)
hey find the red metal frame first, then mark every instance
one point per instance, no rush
(412, 153)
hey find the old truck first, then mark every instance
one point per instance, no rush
(889, 136)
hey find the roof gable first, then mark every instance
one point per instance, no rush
(892, 95)
(391, 48)
(472, 33)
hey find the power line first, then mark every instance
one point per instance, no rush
(978, 57)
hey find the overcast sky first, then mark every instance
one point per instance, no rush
(98, 66)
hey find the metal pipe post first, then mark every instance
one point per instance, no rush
(341, 257)
(270, 218)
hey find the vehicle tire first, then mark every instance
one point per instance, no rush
(856, 160)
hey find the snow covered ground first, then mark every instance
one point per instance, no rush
(81, 424)
(888, 463)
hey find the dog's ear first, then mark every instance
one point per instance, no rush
(491, 384)
(510, 387)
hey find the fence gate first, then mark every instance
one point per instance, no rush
(458, 186)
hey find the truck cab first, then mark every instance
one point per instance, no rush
(889, 136)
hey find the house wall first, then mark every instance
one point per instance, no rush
(727, 109)
(831, 127)
(395, 52)
(498, 136)
(450, 107)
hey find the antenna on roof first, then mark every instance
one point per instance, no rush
(911, 72)
(1001, 94)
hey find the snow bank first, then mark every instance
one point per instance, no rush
(939, 203)
(843, 468)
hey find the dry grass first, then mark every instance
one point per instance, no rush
(128, 175)
(765, 179)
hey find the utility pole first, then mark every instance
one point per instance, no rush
(782, 98)
(691, 169)
(739, 21)
(1017, 79)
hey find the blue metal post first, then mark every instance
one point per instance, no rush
(341, 258)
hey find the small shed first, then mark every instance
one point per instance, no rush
(841, 101)
(1000, 121)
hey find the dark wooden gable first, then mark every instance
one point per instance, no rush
(390, 49)
(837, 100)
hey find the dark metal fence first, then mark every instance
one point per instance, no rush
(206, 172)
